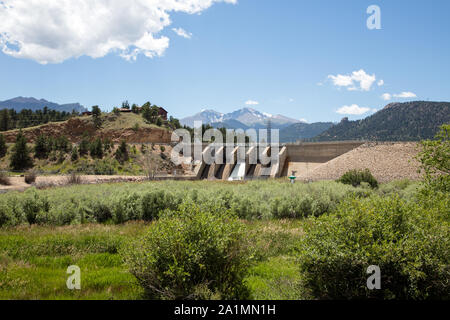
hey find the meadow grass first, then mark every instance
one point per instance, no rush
(34, 260)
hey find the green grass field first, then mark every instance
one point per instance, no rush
(34, 260)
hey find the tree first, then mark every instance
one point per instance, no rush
(116, 111)
(159, 122)
(135, 108)
(74, 155)
(146, 112)
(97, 149)
(122, 152)
(96, 113)
(41, 147)
(3, 147)
(20, 158)
(126, 105)
(4, 120)
(84, 146)
(435, 160)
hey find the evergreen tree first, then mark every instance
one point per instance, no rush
(84, 146)
(74, 155)
(4, 120)
(97, 149)
(122, 152)
(96, 113)
(20, 158)
(41, 148)
(3, 147)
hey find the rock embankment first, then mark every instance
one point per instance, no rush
(387, 161)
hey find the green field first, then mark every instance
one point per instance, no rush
(44, 231)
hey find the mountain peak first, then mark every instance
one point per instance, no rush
(248, 117)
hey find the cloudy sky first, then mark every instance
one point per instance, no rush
(313, 60)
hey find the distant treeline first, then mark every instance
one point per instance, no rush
(11, 119)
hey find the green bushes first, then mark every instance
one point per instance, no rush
(356, 177)
(192, 254)
(119, 203)
(407, 240)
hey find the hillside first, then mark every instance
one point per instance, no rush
(126, 126)
(410, 121)
(21, 103)
(299, 131)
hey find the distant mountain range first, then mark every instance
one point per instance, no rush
(240, 119)
(34, 104)
(302, 131)
(410, 121)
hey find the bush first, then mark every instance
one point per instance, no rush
(356, 177)
(74, 178)
(408, 241)
(3, 146)
(4, 179)
(155, 202)
(192, 254)
(30, 177)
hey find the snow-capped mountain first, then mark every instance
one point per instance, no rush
(248, 117)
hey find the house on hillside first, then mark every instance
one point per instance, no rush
(124, 110)
(162, 113)
(87, 113)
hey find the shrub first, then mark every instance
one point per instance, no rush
(192, 254)
(356, 177)
(155, 202)
(74, 178)
(4, 179)
(408, 241)
(30, 177)
(435, 160)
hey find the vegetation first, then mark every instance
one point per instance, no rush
(410, 121)
(192, 254)
(4, 179)
(3, 146)
(356, 177)
(435, 160)
(30, 177)
(20, 158)
(11, 119)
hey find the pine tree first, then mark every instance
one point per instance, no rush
(20, 158)
(122, 152)
(84, 146)
(3, 147)
(74, 155)
(41, 148)
(97, 149)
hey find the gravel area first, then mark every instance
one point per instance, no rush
(386, 160)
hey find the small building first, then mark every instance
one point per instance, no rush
(162, 113)
(87, 113)
(125, 110)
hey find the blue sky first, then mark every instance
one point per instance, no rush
(278, 53)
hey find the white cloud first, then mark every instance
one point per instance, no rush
(405, 95)
(50, 31)
(386, 96)
(291, 100)
(358, 80)
(380, 83)
(303, 120)
(354, 109)
(182, 33)
(251, 103)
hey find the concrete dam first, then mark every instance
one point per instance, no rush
(255, 162)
